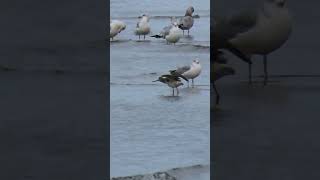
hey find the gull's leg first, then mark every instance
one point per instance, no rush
(177, 91)
(192, 84)
(217, 94)
(139, 37)
(188, 32)
(265, 58)
(172, 91)
(183, 32)
(250, 74)
(144, 37)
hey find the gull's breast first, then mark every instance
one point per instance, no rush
(269, 34)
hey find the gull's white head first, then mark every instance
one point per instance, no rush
(144, 17)
(196, 61)
(175, 24)
(189, 11)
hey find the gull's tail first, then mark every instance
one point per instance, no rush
(155, 80)
(238, 53)
(157, 36)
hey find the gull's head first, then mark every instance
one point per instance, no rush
(278, 3)
(175, 24)
(144, 17)
(196, 61)
(189, 11)
(123, 27)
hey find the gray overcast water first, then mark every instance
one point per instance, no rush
(150, 130)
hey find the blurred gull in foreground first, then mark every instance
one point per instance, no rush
(143, 27)
(249, 33)
(219, 69)
(190, 72)
(186, 22)
(116, 27)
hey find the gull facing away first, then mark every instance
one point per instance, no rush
(189, 72)
(186, 22)
(171, 33)
(143, 27)
(172, 80)
(219, 69)
(116, 27)
(257, 33)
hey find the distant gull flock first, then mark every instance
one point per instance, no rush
(172, 33)
(248, 33)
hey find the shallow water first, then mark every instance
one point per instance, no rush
(151, 130)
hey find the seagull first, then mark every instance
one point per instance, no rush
(116, 27)
(171, 33)
(255, 33)
(143, 27)
(190, 72)
(219, 70)
(174, 34)
(186, 22)
(172, 80)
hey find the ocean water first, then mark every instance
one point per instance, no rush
(152, 131)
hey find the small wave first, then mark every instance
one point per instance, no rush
(149, 84)
(197, 16)
(197, 46)
(199, 172)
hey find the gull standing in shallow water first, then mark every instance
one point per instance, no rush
(186, 22)
(116, 27)
(190, 72)
(260, 32)
(143, 27)
(171, 33)
(172, 80)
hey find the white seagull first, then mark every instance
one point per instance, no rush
(186, 22)
(143, 27)
(174, 34)
(258, 33)
(116, 27)
(189, 72)
(171, 33)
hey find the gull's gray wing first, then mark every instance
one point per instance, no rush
(165, 31)
(183, 69)
(186, 22)
(224, 29)
(178, 72)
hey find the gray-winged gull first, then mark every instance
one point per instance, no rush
(170, 33)
(186, 22)
(190, 72)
